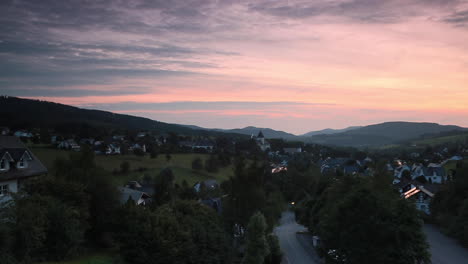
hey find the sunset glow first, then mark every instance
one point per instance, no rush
(292, 65)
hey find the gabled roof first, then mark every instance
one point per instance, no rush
(260, 134)
(417, 190)
(127, 193)
(430, 171)
(12, 146)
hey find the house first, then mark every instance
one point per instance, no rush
(112, 149)
(137, 146)
(17, 163)
(141, 134)
(398, 172)
(118, 138)
(23, 133)
(203, 144)
(292, 150)
(279, 169)
(332, 165)
(456, 158)
(421, 196)
(261, 142)
(69, 144)
(435, 174)
(208, 185)
(87, 141)
(351, 169)
(214, 203)
(137, 196)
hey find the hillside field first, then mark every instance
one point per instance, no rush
(181, 165)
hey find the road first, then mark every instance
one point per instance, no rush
(297, 248)
(444, 250)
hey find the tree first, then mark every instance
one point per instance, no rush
(256, 244)
(388, 227)
(168, 157)
(154, 152)
(183, 232)
(275, 255)
(164, 187)
(197, 164)
(138, 152)
(211, 164)
(246, 195)
(44, 228)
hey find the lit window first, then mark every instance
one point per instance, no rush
(3, 190)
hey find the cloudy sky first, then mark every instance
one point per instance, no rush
(286, 64)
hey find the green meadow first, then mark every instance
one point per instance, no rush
(180, 164)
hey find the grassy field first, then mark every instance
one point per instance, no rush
(92, 259)
(181, 165)
(442, 140)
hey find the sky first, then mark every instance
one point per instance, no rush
(290, 65)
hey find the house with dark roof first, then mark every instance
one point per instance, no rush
(421, 196)
(17, 163)
(435, 174)
(136, 196)
(261, 142)
(207, 184)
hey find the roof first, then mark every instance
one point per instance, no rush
(127, 193)
(438, 171)
(214, 203)
(417, 190)
(260, 134)
(16, 149)
(209, 184)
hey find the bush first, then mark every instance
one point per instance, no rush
(124, 167)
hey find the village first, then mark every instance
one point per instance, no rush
(417, 177)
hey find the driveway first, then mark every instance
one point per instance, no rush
(297, 248)
(444, 250)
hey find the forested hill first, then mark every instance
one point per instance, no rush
(19, 113)
(385, 133)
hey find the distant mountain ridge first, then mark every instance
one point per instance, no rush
(381, 134)
(329, 131)
(267, 132)
(26, 113)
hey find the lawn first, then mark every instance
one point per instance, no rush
(181, 165)
(92, 259)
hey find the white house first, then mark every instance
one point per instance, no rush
(69, 144)
(261, 142)
(17, 164)
(112, 149)
(421, 196)
(398, 173)
(435, 174)
(23, 133)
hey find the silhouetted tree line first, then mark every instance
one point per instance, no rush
(361, 219)
(76, 209)
(449, 207)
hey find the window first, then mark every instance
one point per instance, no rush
(3, 190)
(21, 163)
(2, 164)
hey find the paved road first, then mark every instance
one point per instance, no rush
(444, 250)
(297, 248)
